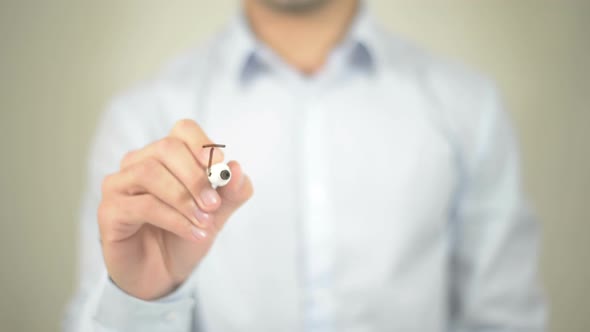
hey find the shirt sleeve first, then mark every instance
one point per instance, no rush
(118, 311)
(495, 283)
(99, 305)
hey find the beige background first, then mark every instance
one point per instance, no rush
(60, 61)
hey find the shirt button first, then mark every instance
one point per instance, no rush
(170, 316)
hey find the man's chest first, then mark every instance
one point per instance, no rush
(353, 191)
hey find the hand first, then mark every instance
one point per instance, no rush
(159, 215)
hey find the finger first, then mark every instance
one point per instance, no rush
(150, 176)
(124, 217)
(234, 194)
(194, 137)
(175, 155)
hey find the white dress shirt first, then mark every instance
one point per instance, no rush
(387, 195)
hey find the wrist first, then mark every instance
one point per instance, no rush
(146, 290)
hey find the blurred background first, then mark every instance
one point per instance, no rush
(61, 61)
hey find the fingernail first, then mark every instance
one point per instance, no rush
(209, 196)
(203, 218)
(198, 233)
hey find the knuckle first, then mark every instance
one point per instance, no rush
(182, 196)
(107, 213)
(147, 169)
(247, 193)
(146, 204)
(127, 159)
(168, 145)
(107, 184)
(184, 125)
(195, 183)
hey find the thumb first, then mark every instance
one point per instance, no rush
(234, 194)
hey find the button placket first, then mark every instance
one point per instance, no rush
(316, 223)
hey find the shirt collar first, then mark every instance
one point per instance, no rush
(249, 56)
(363, 37)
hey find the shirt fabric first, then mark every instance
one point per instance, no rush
(387, 195)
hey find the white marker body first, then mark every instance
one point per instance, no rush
(220, 175)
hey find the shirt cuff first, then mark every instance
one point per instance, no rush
(120, 311)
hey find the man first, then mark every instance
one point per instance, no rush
(387, 193)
